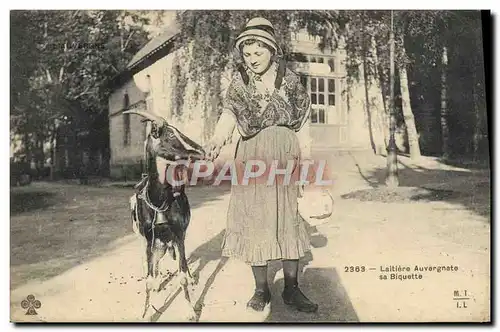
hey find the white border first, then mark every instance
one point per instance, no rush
(255, 4)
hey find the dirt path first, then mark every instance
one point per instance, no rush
(106, 286)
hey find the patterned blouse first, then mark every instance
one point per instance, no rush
(256, 108)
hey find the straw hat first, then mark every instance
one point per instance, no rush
(260, 29)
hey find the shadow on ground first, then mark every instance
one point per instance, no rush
(26, 200)
(484, 163)
(323, 286)
(71, 225)
(212, 251)
(204, 254)
(468, 189)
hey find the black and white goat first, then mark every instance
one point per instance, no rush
(160, 209)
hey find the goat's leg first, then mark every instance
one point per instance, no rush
(158, 251)
(185, 279)
(149, 274)
(154, 253)
(183, 265)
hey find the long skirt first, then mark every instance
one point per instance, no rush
(263, 222)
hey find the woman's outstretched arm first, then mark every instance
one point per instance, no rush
(225, 127)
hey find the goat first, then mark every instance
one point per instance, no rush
(160, 210)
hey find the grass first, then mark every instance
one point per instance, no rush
(56, 226)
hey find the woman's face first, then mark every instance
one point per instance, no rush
(257, 57)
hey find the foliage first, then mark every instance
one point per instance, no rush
(211, 35)
(62, 60)
(62, 72)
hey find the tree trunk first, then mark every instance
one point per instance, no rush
(367, 94)
(53, 152)
(27, 147)
(411, 129)
(445, 132)
(379, 76)
(40, 155)
(478, 95)
(392, 180)
(477, 117)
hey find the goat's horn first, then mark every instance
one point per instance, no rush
(150, 116)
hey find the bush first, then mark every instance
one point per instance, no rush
(20, 173)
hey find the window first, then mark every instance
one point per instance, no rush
(316, 59)
(322, 88)
(318, 115)
(126, 122)
(322, 93)
(331, 63)
(126, 129)
(306, 58)
(329, 60)
(66, 157)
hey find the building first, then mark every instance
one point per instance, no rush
(340, 119)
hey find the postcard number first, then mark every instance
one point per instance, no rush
(356, 268)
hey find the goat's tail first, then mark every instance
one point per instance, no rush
(133, 214)
(172, 253)
(135, 222)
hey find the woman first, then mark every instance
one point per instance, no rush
(268, 104)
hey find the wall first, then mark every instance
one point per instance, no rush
(367, 124)
(155, 86)
(161, 86)
(354, 132)
(125, 160)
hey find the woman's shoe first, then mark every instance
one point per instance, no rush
(259, 300)
(294, 297)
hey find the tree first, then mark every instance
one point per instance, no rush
(445, 132)
(63, 74)
(480, 123)
(392, 179)
(23, 56)
(210, 53)
(420, 38)
(421, 33)
(409, 118)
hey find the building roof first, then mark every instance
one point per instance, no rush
(154, 50)
(155, 44)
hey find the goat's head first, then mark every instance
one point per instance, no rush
(167, 143)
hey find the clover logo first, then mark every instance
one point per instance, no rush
(31, 304)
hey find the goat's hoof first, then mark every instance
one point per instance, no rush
(185, 279)
(149, 283)
(191, 316)
(153, 284)
(191, 280)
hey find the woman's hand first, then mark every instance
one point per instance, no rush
(212, 149)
